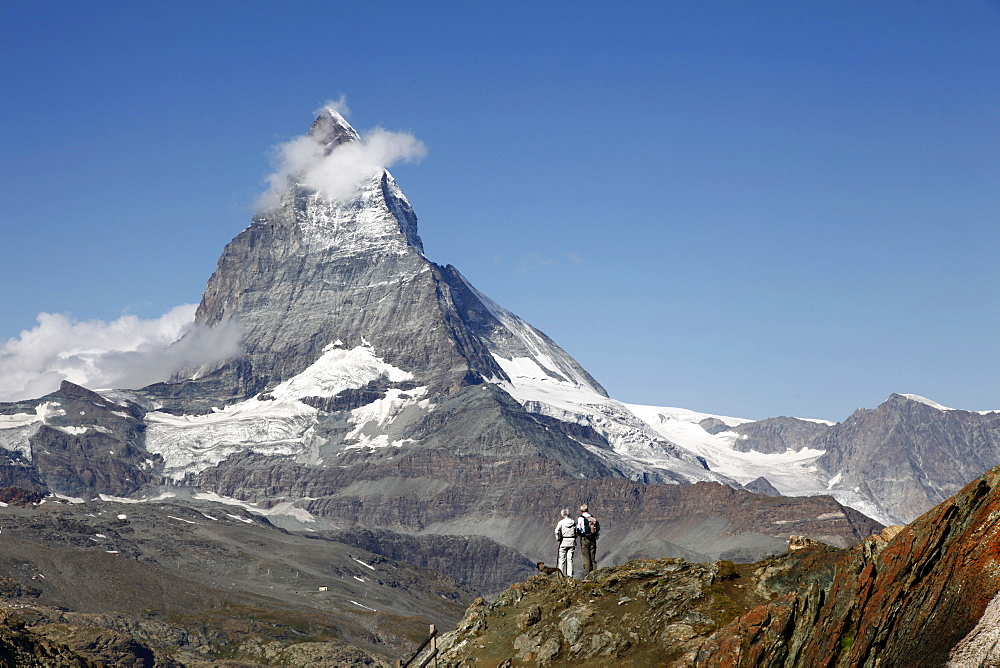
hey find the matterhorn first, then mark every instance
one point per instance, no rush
(376, 390)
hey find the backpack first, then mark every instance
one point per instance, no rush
(591, 527)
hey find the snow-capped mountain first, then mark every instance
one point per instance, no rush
(891, 463)
(337, 297)
(378, 388)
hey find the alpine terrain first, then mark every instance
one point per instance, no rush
(927, 594)
(389, 428)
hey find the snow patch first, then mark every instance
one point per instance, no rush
(337, 370)
(366, 565)
(278, 426)
(363, 606)
(636, 449)
(190, 444)
(17, 429)
(119, 499)
(933, 404)
(225, 500)
(290, 509)
(285, 508)
(927, 402)
(42, 413)
(655, 415)
(371, 419)
(792, 473)
(73, 431)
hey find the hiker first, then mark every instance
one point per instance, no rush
(566, 538)
(588, 528)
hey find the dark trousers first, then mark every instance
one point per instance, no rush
(588, 547)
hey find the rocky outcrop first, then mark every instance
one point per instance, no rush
(780, 434)
(913, 597)
(644, 613)
(20, 646)
(924, 594)
(78, 443)
(762, 485)
(19, 496)
(800, 542)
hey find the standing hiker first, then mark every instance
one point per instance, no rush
(588, 529)
(566, 538)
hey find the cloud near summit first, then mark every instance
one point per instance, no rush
(125, 353)
(339, 174)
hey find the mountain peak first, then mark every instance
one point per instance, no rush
(331, 129)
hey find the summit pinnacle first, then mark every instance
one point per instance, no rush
(332, 130)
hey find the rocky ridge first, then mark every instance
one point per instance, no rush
(903, 457)
(925, 594)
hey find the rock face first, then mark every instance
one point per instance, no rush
(926, 594)
(19, 646)
(315, 271)
(76, 442)
(898, 460)
(911, 455)
(919, 597)
(780, 434)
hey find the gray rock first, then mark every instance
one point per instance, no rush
(762, 485)
(780, 434)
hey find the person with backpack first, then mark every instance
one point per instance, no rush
(566, 539)
(588, 528)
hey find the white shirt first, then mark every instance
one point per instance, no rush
(561, 531)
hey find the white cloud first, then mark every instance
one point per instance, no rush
(340, 106)
(337, 175)
(126, 353)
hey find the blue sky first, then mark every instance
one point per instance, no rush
(754, 209)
